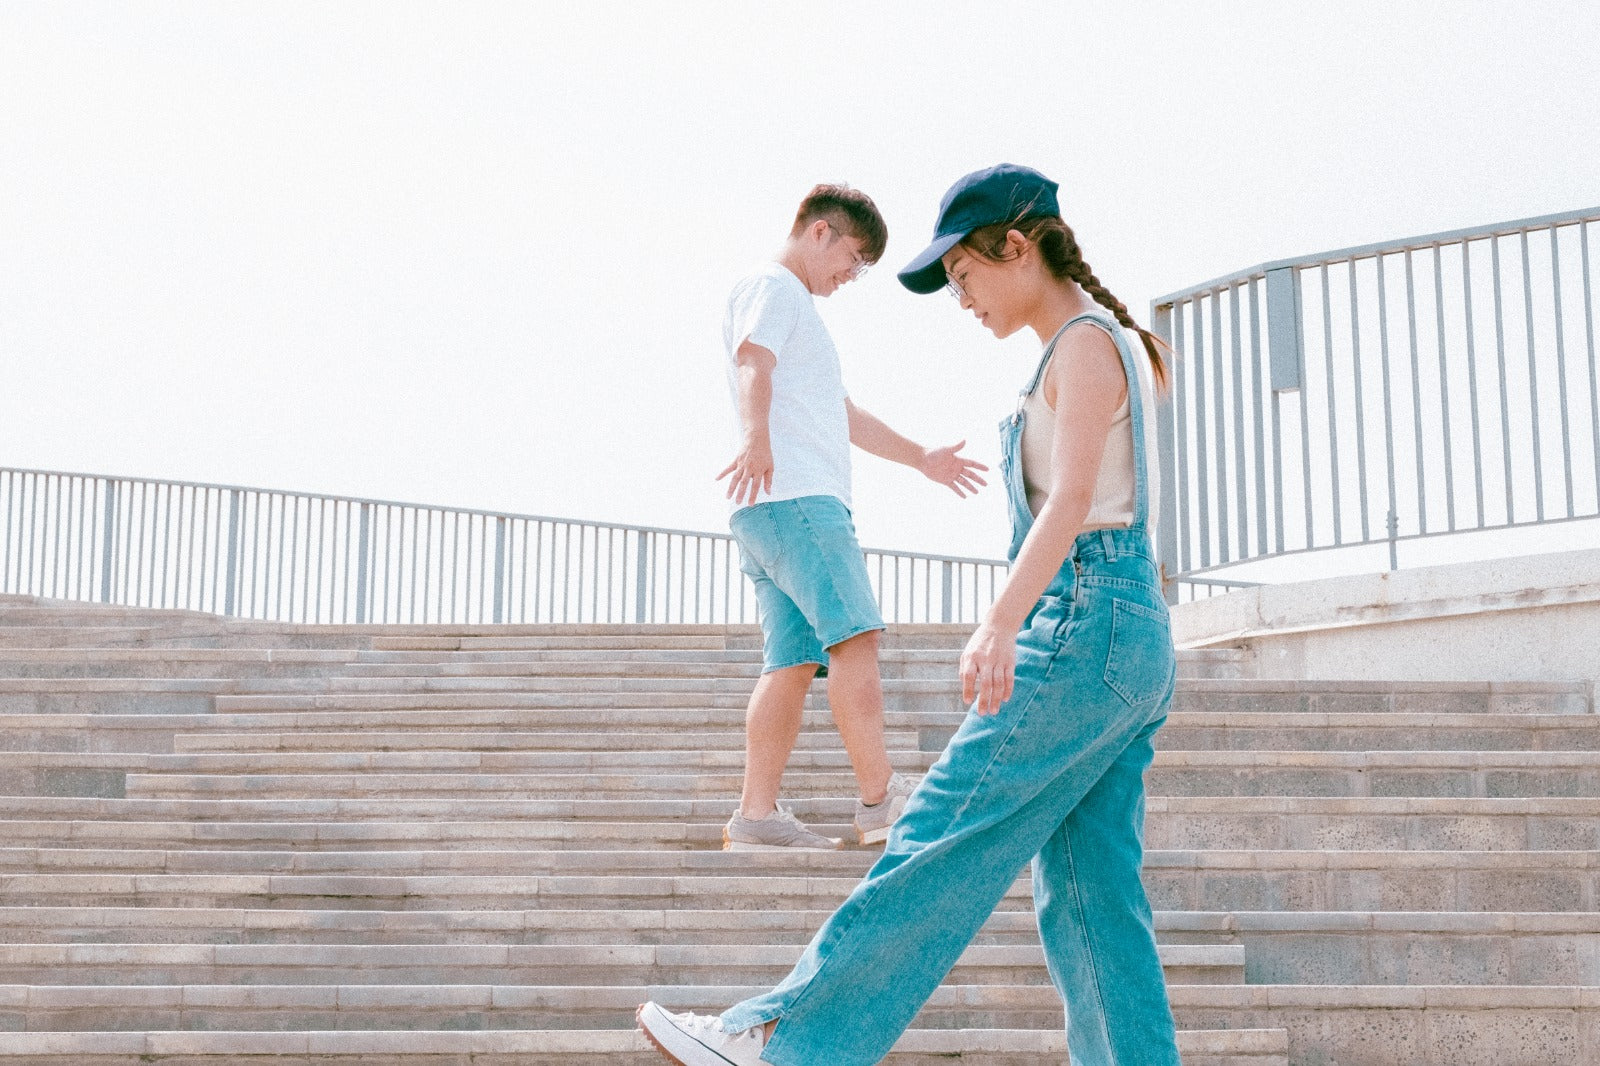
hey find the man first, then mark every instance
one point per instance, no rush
(790, 487)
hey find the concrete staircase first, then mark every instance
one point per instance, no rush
(236, 842)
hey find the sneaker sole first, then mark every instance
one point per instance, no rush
(703, 1054)
(874, 836)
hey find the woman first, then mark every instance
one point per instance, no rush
(1070, 675)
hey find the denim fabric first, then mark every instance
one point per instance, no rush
(810, 578)
(1055, 777)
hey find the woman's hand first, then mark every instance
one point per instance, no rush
(989, 667)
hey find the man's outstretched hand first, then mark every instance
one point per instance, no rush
(752, 473)
(956, 472)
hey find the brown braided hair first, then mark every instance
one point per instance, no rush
(1062, 257)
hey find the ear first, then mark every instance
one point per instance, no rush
(1016, 244)
(819, 230)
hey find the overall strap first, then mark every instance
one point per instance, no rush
(1136, 411)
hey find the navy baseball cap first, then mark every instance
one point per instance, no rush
(1002, 193)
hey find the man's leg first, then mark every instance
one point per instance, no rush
(772, 725)
(855, 694)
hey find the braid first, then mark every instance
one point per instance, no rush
(1058, 248)
(1065, 260)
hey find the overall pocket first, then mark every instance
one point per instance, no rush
(1140, 660)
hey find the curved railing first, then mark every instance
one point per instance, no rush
(1358, 400)
(305, 557)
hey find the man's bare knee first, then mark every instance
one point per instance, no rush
(862, 644)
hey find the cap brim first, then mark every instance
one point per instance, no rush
(925, 273)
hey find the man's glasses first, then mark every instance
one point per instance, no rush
(861, 265)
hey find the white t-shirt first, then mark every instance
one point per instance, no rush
(809, 426)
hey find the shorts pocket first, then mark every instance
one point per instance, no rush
(1140, 660)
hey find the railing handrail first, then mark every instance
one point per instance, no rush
(1367, 251)
(589, 523)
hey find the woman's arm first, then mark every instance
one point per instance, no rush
(1085, 385)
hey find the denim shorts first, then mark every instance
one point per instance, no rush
(810, 578)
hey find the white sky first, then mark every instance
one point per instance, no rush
(477, 254)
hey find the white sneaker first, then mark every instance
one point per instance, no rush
(693, 1040)
(873, 823)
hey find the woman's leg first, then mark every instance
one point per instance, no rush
(1094, 920)
(1004, 784)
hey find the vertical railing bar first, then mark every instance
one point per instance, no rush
(138, 574)
(1393, 517)
(1201, 472)
(53, 530)
(425, 516)
(1240, 440)
(294, 560)
(1472, 377)
(1533, 381)
(108, 557)
(1333, 406)
(74, 537)
(1561, 370)
(1444, 391)
(566, 573)
(1258, 398)
(1505, 401)
(205, 551)
(1416, 395)
(1594, 369)
(1180, 446)
(522, 585)
(25, 576)
(460, 590)
(323, 511)
(166, 546)
(538, 567)
(1305, 439)
(1361, 403)
(6, 491)
(1220, 407)
(278, 505)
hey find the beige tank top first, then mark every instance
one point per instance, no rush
(1114, 486)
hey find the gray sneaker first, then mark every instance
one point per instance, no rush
(778, 831)
(873, 823)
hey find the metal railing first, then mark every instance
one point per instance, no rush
(1428, 387)
(303, 557)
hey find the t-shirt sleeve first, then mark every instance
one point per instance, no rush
(767, 316)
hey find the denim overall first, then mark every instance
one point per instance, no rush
(1056, 777)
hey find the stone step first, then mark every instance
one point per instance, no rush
(559, 1047)
(516, 730)
(1548, 881)
(485, 774)
(1265, 822)
(1294, 947)
(588, 925)
(1427, 1025)
(527, 964)
(470, 730)
(68, 663)
(1194, 694)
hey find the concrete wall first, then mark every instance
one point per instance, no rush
(1534, 618)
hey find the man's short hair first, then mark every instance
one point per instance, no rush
(850, 211)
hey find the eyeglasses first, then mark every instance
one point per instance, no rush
(953, 287)
(861, 266)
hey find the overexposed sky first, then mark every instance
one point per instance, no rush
(477, 254)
